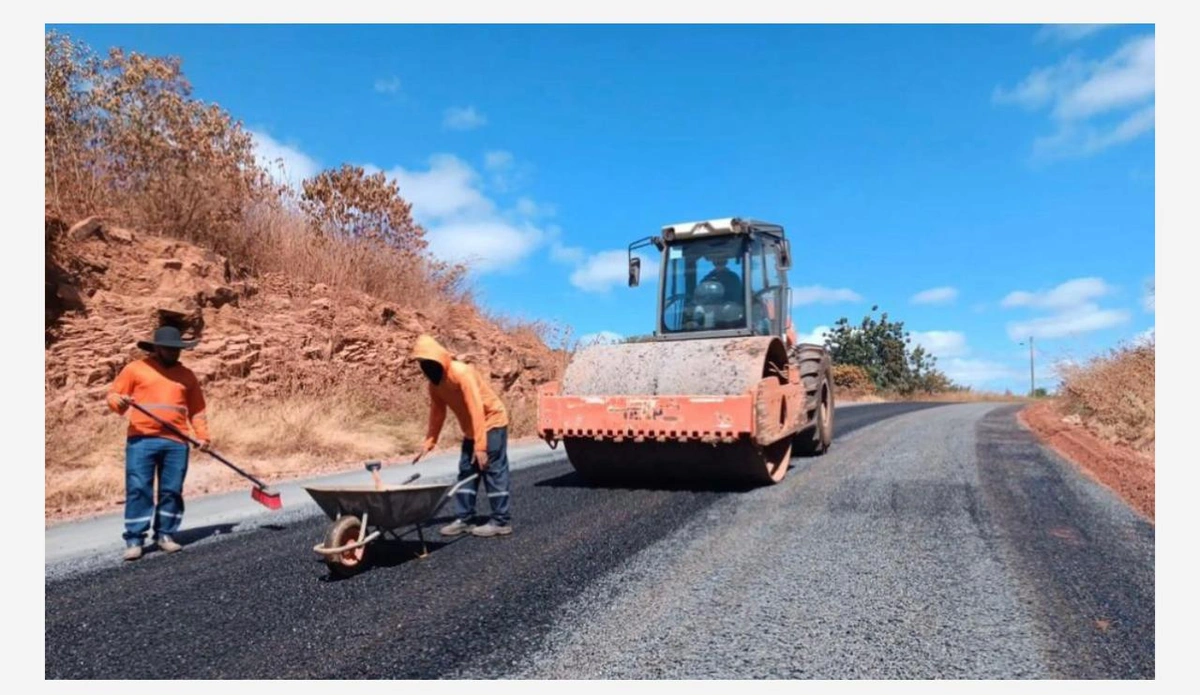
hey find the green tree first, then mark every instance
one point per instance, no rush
(883, 348)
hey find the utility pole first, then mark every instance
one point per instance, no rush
(1032, 390)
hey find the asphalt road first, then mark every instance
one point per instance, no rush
(930, 542)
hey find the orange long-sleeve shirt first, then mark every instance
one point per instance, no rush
(465, 392)
(172, 393)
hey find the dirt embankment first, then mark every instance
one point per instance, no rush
(300, 378)
(1120, 467)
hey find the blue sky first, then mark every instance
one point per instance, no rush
(981, 183)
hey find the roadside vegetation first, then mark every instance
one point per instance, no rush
(126, 140)
(1112, 395)
(875, 360)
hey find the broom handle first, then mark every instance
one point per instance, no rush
(195, 443)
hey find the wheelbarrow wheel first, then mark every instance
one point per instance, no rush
(345, 530)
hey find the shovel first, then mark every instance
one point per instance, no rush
(374, 466)
(259, 493)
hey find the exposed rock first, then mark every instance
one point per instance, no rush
(256, 331)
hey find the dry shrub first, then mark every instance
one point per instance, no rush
(85, 459)
(277, 238)
(852, 378)
(349, 203)
(522, 417)
(1113, 395)
(124, 138)
(342, 427)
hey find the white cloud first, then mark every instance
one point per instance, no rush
(560, 252)
(528, 208)
(1073, 310)
(1146, 337)
(463, 118)
(1083, 318)
(1148, 296)
(486, 244)
(976, 372)
(935, 295)
(449, 188)
(387, 85)
(463, 224)
(941, 344)
(1093, 104)
(498, 160)
(1124, 79)
(816, 294)
(285, 164)
(600, 338)
(816, 336)
(1068, 294)
(506, 173)
(1066, 33)
(566, 254)
(602, 271)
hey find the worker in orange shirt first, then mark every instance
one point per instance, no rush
(484, 422)
(160, 384)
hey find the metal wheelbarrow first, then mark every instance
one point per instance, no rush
(363, 513)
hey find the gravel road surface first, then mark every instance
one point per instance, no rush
(930, 542)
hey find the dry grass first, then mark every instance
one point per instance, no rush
(1113, 395)
(966, 397)
(291, 437)
(278, 239)
(274, 439)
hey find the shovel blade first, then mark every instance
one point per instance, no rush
(270, 500)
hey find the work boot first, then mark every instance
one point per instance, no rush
(132, 552)
(168, 544)
(456, 528)
(490, 529)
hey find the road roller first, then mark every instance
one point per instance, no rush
(720, 392)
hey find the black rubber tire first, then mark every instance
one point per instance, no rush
(816, 373)
(338, 533)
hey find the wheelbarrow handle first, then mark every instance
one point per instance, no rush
(451, 490)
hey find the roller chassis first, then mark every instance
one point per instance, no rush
(728, 404)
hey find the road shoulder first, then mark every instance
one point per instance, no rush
(1122, 470)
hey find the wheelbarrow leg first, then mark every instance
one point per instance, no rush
(424, 550)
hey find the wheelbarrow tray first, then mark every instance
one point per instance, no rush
(391, 507)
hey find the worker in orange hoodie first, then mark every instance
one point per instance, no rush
(171, 391)
(484, 422)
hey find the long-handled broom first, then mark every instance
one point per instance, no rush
(260, 493)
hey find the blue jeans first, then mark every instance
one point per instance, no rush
(145, 457)
(495, 478)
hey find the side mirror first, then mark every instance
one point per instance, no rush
(785, 255)
(635, 271)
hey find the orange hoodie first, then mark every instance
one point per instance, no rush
(466, 393)
(172, 393)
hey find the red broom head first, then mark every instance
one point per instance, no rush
(270, 500)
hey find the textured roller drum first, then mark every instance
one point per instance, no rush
(711, 367)
(708, 367)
